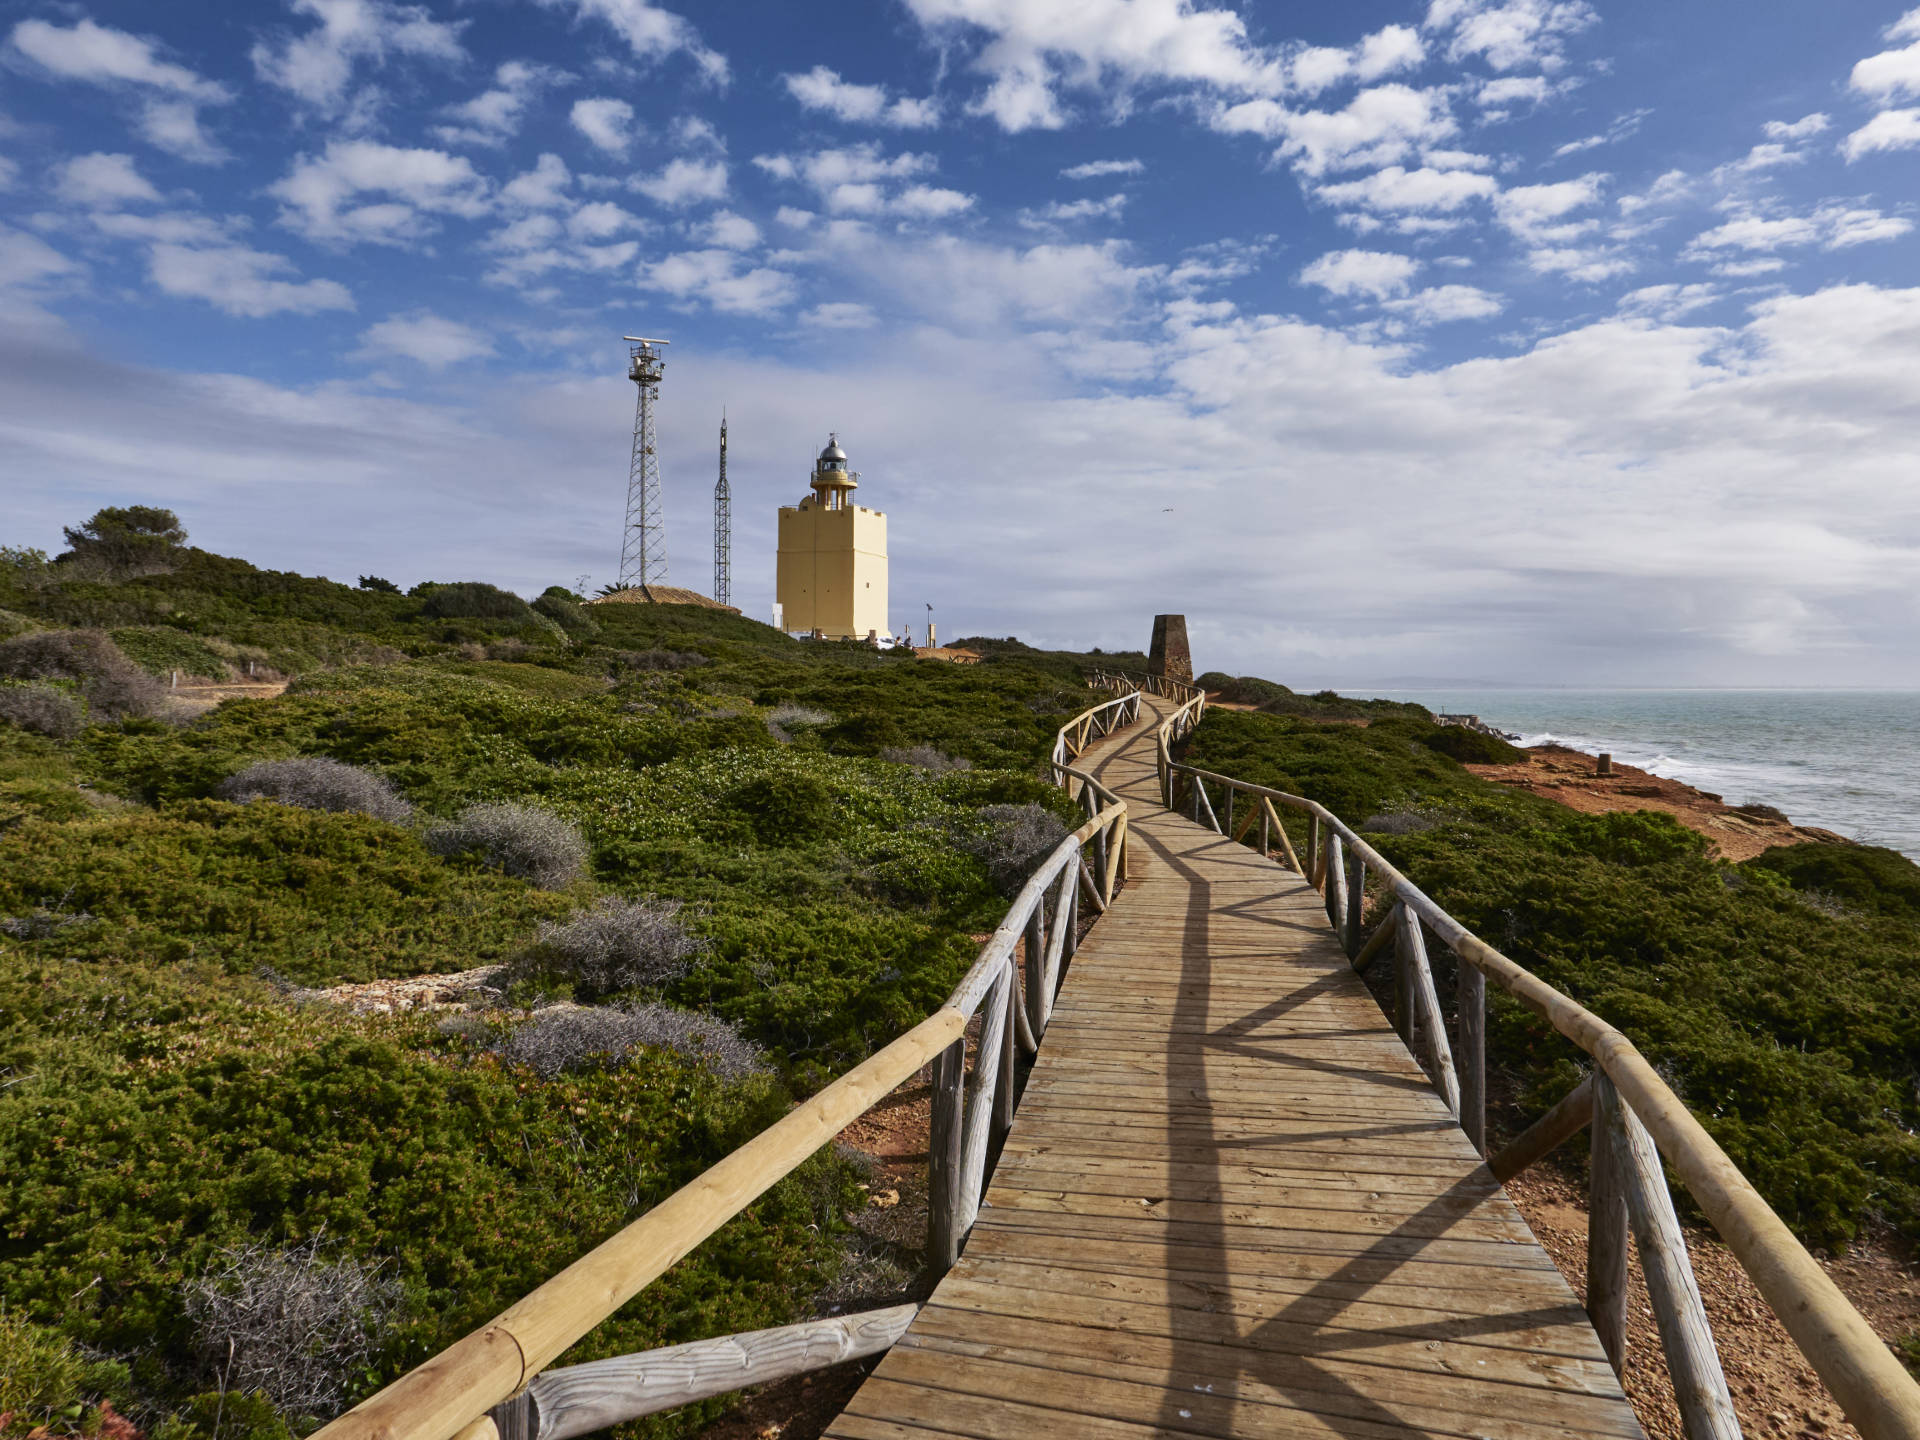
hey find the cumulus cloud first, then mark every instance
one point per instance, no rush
(1889, 130)
(606, 122)
(422, 336)
(324, 197)
(864, 180)
(102, 182)
(542, 188)
(1031, 53)
(242, 281)
(1509, 34)
(495, 115)
(1805, 128)
(1098, 169)
(27, 262)
(651, 33)
(1538, 213)
(1833, 226)
(1399, 190)
(684, 182)
(722, 280)
(317, 68)
(1375, 274)
(170, 95)
(1440, 304)
(1379, 126)
(1069, 210)
(822, 89)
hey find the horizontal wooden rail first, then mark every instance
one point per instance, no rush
(453, 1393)
(580, 1399)
(1878, 1395)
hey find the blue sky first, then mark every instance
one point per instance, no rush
(1527, 340)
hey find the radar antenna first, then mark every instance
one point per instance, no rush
(643, 543)
(723, 526)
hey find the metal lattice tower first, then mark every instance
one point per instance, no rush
(643, 544)
(723, 527)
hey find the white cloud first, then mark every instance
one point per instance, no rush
(1747, 269)
(841, 315)
(1379, 126)
(685, 182)
(794, 218)
(602, 220)
(171, 95)
(651, 33)
(1890, 75)
(1376, 274)
(822, 88)
(1513, 90)
(730, 231)
(1889, 130)
(9, 173)
(1514, 35)
(1668, 302)
(722, 280)
(103, 182)
(1537, 213)
(863, 180)
(241, 281)
(1587, 265)
(1088, 209)
(1805, 128)
(321, 195)
(1396, 189)
(26, 261)
(542, 188)
(494, 116)
(1622, 127)
(606, 122)
(1396, 47)
(422, 336)
(1098, 169)
(318, 67)
(1106, 47)
(1833, 226)
(1440, 304)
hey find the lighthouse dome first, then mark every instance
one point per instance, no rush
(833, 457)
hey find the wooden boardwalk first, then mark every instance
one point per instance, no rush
(1231, 1204)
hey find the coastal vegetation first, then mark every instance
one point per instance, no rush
(674, 831)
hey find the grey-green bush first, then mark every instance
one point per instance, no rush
(560, 607)
(1017, 839)
(314, 782)
(113, 686)
(290, 1323)
(572, 1038)
(927, 758)
(522, 840)
(470, 600)
(43, 709)
(616, 945)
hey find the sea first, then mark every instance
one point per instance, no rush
(1845, 760)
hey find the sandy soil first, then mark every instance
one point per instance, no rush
(1572, 779)
(1775, 1392)
(197, 697)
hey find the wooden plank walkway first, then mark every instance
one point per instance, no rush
(1232, 1205)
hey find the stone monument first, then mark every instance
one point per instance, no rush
(1170, 656)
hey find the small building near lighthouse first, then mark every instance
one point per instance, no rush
(831, 578)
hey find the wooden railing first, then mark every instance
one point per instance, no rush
(495, 1385)
(1639, 1120)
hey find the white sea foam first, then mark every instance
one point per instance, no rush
(1847, 760)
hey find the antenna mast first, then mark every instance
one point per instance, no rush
(643, 544)
(723, 527)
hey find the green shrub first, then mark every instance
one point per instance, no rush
(470, 600)
(1862, 877)
(127, 538)
(784, 809)
(1471, 747)
(46, 1381)
(559, 606)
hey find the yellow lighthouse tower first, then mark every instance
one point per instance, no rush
(832, 567)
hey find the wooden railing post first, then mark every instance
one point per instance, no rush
(1699, 1386)
(1470, 1052)
(1404, 1021)
(1316, 858)
(1333, 863)
(943, 1157)
(1607, 1234)
(1356, 901)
